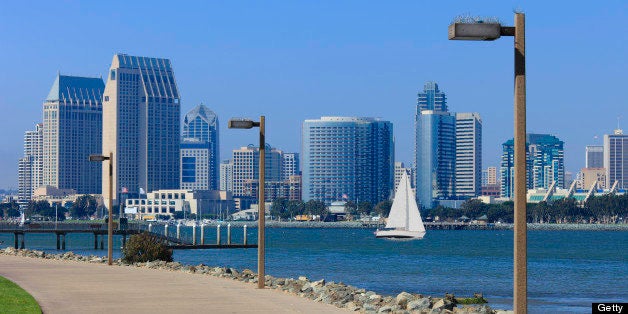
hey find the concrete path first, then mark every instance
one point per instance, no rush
(79, 287)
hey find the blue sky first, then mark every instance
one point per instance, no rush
(297, 60)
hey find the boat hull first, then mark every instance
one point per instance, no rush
(400, 234)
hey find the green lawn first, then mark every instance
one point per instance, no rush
(14, 299)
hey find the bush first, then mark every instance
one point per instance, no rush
(146, 247)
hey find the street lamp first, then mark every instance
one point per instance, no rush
(248, 124)
(101, 158)
(475, 29)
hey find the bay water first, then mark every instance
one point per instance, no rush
(567, 270)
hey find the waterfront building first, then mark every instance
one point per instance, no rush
(226, 175)
(206, 203)
(468, 155)
(287, 189)
(435, 147)
(588, 176)
(246, 167)
(544, 163)
(347, 158)
(290, 165)
(200, 150)
(594, 157)
(73, 131)
(30, 167)
(616, 159)
(489, 176)
(141, 126)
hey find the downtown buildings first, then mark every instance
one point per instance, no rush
(200, 150)
(544, 163)
(141, 126)
(56, 153)
(616, 159)
(448, 150)
(347, 158)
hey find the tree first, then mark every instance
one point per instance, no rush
(365, 208)
(41, 208)
(84, 207)
(314, 207)
(295, 208)
(9, 210)
(146, 247)
(351, 208)
(279, 208)
(473, 208)
(383, 208)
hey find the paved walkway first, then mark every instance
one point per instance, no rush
(79, 287)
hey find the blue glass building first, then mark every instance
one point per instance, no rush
(544, 163)
(435, 147)
(347, 158)
(200, 150)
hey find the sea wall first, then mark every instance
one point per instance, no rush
(337, 294)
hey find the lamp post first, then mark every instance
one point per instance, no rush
(248, 124)
(101, 158)
(475, 29)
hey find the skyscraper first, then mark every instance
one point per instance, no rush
(616, 159)
(544, 163)
(141, 125)
(594, 157)
(435, 147)
(246, 167)
(347, 158)
(200, 150)
(468, 154)
(30, 167)
(290, 165)
(226, 175)
(72, 132)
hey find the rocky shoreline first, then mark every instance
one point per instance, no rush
(337, 294)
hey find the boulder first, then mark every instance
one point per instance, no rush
(419, 304)
(402, 299)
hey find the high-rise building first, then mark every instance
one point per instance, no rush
(200, 150)
(594, 157)
(72, 132)
(226, 175)
(468, 155)
(400, 168)
(435, 147)
(30, 167)
(347, 158)
(290, 166)
(431, 98)
(616, 159)
(141, 125)
(544, 163)
(490, 182)
(246, 167)
(588, 176)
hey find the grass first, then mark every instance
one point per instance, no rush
(478, 300)
(14, 299)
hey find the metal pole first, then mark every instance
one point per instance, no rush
(56, 214)
(194, 234)
(244, 234)
(520, 228)
(262, 212)
(229, 234)
(218, 234)
(202, 234)
(110, 224)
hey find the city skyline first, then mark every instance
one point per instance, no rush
(305, 61)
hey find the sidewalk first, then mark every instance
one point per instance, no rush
(78, 287)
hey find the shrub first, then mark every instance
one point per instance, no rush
(146, 247)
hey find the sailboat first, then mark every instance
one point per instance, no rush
(404, 220)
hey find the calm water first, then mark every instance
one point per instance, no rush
(567, 270)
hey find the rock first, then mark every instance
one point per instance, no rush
(443, 304)
(385, 309)
(303, 278)
(402, 299)
(375, 298)
(419, 304)
(318, 283)
(351, 306)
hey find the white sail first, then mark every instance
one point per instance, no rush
(404, 220)
(398, 216)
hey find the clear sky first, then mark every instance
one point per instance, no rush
(297, 60)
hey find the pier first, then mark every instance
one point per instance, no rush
(175, 240)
